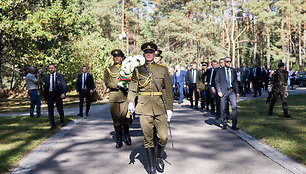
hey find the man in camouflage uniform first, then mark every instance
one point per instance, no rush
(279, 88)
(154, 103)
(117, 98)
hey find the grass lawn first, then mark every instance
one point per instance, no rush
(19, 135)
(286, 135)
(22, 104)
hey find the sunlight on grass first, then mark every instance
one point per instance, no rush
(19, 135)
(286, 135)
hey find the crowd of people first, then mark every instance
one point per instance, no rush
(151, 92)
(198, 83)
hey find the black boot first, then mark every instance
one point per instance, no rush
(159, 158)
(118, 131)
(127, 134)
(271, 110)
(151, 160)
(285, 109)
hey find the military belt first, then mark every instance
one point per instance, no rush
(151, 93)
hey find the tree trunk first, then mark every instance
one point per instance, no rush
(122, 24)
(13, 74)
(300, 37)
(268, 50)
(233, 33)
(255, 44)
(127, 33)
(227, 27)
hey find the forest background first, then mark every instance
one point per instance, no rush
(72, 33)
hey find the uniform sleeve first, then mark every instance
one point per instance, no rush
(168, 91)
(133, 86)
(273, 78)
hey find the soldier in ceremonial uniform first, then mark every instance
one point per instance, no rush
(158, 57)
(155, 104)
(204, 88)
(279, 88)
(118, 98)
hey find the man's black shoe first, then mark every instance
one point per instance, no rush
(63, 124)
(52, 127)
(235, 128)
(87, 115)
(224, 127)
(179, 103)
(254, 95)
(80, 115)
(217, 118)
(287, 116)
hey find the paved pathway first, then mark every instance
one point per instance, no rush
(200, 146)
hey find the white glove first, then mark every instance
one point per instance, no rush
(131, 107)
(120, 85)
(169, 115)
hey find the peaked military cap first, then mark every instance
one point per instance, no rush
(281, 64)
(204, 63)
(117, 53)
(158, 53)
(148, 47)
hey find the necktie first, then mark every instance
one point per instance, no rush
(211, 75)
(83, 81)
(194, 76)
(254, 72)
(228, 79)
(53, 83)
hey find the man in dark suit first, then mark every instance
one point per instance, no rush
(255, 77)
(191, 81)
(244, 78)
(179, 81)
(228, 90)
(55, 92)
(210, 75)
(265, 77)
(85, 87)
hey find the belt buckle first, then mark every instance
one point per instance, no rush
(151, 94)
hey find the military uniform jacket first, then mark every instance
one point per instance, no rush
(111, 79)
(279, 80)
(141, 81)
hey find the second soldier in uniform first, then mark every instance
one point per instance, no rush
(150, 80)
(117, 98)
(279, 88)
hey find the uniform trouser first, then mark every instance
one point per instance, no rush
(84, 94)
(274, 99)
(203, 98)
(55, 97)
(229, 96)
(193, 88)
(35, 100)
(118, 112)
(180, 88)
(148, 122)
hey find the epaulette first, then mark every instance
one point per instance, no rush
(138, 66)
(161, 64)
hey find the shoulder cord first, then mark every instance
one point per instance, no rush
(113, 75)
(147, 80)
